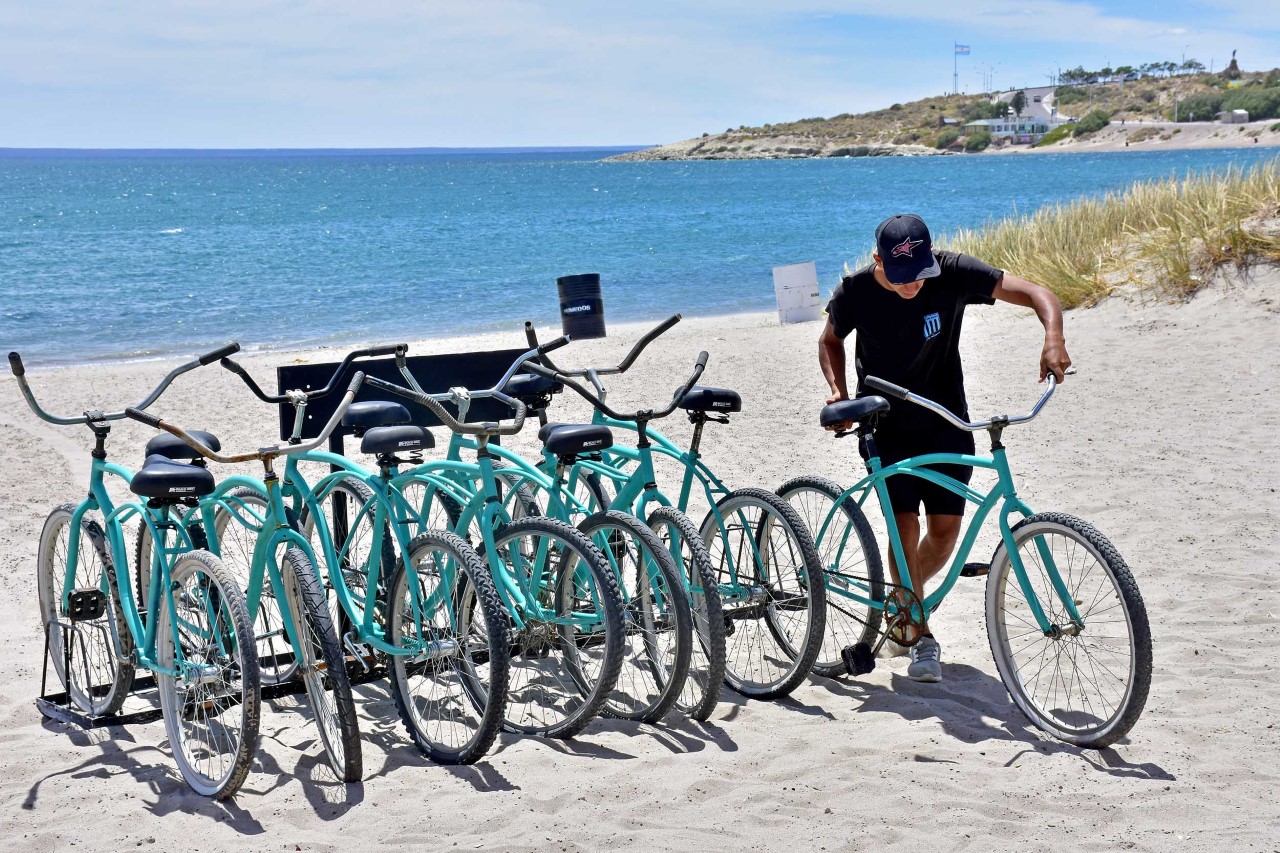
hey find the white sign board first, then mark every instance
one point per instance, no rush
(796, 286)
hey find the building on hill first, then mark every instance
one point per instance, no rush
(1025, 130)
(1233, 117)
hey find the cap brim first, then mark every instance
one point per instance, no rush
(909, 271)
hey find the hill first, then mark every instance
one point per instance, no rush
(918, 127)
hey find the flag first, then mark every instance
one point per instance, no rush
(962, 50)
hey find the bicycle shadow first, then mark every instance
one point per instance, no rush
(966, 703)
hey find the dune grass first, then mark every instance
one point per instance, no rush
(1166, 236)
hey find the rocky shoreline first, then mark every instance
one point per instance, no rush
(744, 147)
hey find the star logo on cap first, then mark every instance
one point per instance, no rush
(906, 247)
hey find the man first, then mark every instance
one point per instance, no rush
(907, 308)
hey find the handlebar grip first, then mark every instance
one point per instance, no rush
(15, 364)
(388, 349)
(143, 417)
(222, 352)
(667, 324)
(887, 387)
(356, 381)
(561, 341)
(702, 360)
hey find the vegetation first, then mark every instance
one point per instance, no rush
(945, 139)
(978, 141)
(1261, 101)
(1018, 103)
(1167, 235)
(1094, 121)
(1058, 134)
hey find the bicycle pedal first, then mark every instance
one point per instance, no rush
(858, 659)
(975, 570)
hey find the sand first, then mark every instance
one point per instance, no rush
(1163, 439)
(1160, 136)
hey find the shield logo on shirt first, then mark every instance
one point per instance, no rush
(932, 325)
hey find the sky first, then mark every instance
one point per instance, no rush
(492, 73)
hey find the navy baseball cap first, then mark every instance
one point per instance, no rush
(905, 249)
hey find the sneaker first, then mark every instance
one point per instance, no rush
(890, 649)
(926, 661)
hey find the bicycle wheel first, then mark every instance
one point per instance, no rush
(701, 692)
(210, 695)
(349, 512)
(321, 665)
(1087, 689)
(658, 622)
(440, 512)
(101, 674)
(851, 566)
(770, 584)
(452, 694)
(566, 658)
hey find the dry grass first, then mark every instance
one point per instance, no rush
(1166, 236)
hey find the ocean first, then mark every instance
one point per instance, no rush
(107, 255)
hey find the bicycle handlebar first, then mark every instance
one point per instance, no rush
(877, 384)
(370, 352)
(650, 337)
(20, 373)
(269, 452)
(603, 407)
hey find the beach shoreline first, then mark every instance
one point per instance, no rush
(1122, 444)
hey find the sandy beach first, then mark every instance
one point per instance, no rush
(1162, 439)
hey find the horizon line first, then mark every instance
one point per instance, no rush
(492, 149)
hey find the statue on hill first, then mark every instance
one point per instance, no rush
(1232, 71)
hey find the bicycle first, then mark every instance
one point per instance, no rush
(194, 631)
(1050, 583)
(762, 555)
(433, 612)
(293, 580)
(582, 476)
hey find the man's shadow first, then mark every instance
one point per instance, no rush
(973, 706)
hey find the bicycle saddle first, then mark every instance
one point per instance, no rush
(161, 477)
(852, 410)
(530, 387)
(396, 439)
(172, 447)
(375, 413)
(701, 398)
(571, 439)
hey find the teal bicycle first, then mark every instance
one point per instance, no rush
(426, 603)
(766, 569)
(1066, 623)
(284, 561)
(190, 629)
(562, 601)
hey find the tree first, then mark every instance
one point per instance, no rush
(1018, 103)
(1125, 69)
(1106, 72)
(1191, 66)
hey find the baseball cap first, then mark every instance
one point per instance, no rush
(905, 249)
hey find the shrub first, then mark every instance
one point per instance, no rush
(1204, 104)
(1275, 128)
(1142, 134)
(948, 136)
(1094, 121)
(984, 109)
(1261, 103)
(1069, 95)
(1060, 132)
(978, 141)
(1148, 96)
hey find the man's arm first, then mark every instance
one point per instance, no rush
(831, 358)
(1018, 291)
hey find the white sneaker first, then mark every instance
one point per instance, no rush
(926, 661)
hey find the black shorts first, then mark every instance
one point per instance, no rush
(907, 492)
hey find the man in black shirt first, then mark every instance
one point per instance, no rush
(907, 308)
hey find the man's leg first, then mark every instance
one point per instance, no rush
(925, 556)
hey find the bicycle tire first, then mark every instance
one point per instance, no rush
(848, 622)
(322, 666)
(475, 678)
(756, 665)
(442, 513)
(354, 557)
(701, 692)
(658, 619)
(103, 683)
(1068, 537)
(584, 666)
(213, 751)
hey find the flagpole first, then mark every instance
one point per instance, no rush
(955, 69)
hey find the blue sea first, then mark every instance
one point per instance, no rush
(109, 255)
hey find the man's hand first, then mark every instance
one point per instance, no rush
(841, 426)
(1054, 358)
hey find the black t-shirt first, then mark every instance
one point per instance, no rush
(914, 342)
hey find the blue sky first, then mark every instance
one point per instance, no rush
(390, 73)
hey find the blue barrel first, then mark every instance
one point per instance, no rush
(581, 306)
